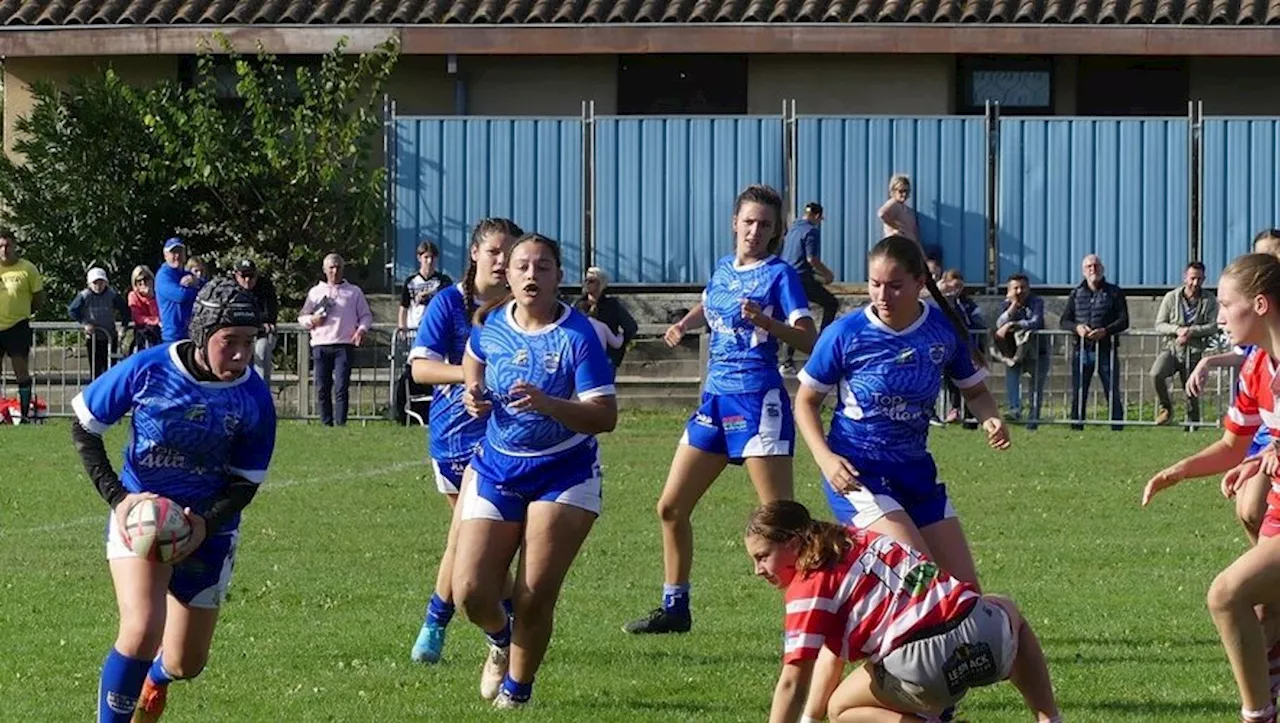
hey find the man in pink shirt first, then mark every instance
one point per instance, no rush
(338, 316)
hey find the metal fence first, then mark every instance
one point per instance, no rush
(62, 364)
(649, 198)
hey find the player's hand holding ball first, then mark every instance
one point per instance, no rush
(997, 433)
(840, 473)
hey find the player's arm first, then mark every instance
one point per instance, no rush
(236, 496)
(427, 355)
(93, 455)
(1217, 458)
(790, 692)
(788, 295)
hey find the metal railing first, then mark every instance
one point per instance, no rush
(62, 363)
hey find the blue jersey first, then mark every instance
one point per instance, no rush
(887, 381)
(188, 436)
(175, 301)
(442, 336)
(744, 358)
(563, 360)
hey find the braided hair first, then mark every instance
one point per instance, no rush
(487, 226)
(221, 303)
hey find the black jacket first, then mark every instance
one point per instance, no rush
(1105, 308)
(264, 292)
(616, 317)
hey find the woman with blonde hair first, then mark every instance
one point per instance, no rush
(143, 309)
(898, 218)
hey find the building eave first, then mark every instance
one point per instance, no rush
(595, 39)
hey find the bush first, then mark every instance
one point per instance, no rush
(281, 173)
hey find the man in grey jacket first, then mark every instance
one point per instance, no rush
(1189, 316)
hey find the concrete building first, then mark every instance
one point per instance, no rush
(544, 57)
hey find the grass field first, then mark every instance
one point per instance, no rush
(339, 550)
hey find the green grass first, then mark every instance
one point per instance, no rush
(339, 551)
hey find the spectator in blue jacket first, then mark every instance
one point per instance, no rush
(176, 290)
(96, 309)
(1096, 312)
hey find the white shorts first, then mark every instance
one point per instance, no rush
(449, 475)
(199, 581)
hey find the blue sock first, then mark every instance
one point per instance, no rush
(157, 674)
(120, 686)
(675, 599)
(517, 691)
(439, 612)
(509, 607)
(501, 638)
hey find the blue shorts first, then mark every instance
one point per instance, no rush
(448, 474)
(1259, 443)
(199, 581)
(505, 485)
(757, 424)
(911, 487)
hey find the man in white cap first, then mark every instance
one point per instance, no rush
(95, 309)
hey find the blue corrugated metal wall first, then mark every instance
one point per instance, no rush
(1118, 188)
(1241, 193)
(845, 164)
(664, 191)
(451, 172)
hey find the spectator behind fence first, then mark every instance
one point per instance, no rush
(1020, 345)
(263, 291)
(144, 311)
(419, 289)
(176, 290)
(952, 287)
(1189, 316)
(802, 248)
(1095, 313)
(421, 286)
(95, 308)
(21, 295)
(338, 316)
(614, 324)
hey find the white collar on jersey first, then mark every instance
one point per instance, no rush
(869, 310)
(511, 319)
(753, 264)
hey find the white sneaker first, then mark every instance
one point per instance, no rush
(495, 669)
(506, 702)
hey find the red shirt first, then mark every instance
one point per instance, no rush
(870, 602)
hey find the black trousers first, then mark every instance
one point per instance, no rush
(817, 293)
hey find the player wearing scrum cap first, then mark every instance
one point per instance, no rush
(203, 431)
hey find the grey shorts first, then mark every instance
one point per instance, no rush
(935, 672)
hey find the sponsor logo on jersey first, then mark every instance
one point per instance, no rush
(231, 424)
(905, 356)
(521, 357)
(772, 410)
(551, 362)
(163, 458)
(734, 423)
(937, 353)
(704, 420)
(195, 413)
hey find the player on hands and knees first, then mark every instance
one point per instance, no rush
(203, 432)
(535, 368)
(436, 359)
(1244, 597)
(753, 301)
(886, 365)
(927, 637)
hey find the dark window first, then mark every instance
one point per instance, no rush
(1021, 85)
(1132, 86)
(682, 85)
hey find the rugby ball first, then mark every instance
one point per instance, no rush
(156, 529)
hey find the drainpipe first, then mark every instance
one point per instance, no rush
(459, 86)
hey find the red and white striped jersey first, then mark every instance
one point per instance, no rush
(867, 604)
(1255, 403)
(1255, 406)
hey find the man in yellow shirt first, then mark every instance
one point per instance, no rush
(21, 293)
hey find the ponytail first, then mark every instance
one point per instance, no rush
(819, 543)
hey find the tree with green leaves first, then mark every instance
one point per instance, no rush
(281, 170)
